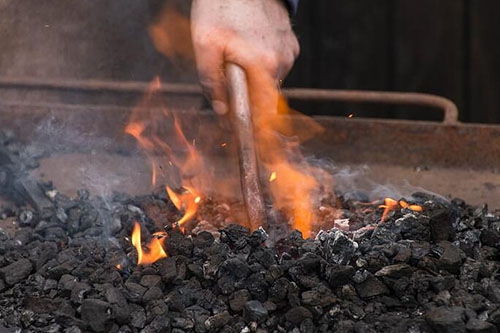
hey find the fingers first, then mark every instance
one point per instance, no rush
(262, 65)
(210, 65)
(276, 62)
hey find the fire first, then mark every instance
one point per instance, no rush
(155, 252)
(187, 201)
(392, 205)
(157, 130)
(295, 185)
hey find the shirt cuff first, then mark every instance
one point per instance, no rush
(292, 6)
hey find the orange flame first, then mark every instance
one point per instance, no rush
(296, 184)
(187, 202)
(155, 252)
(156, 129)
(392, 205)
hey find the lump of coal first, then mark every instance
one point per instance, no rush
(337, 247)
(446, 319)
(16, 271)
(94, 313)
(254, 311)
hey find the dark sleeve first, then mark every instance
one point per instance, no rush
(292, 5)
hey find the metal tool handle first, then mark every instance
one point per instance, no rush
(241, 120)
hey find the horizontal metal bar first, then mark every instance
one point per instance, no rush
(449, 108)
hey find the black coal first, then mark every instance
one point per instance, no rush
(69, 267)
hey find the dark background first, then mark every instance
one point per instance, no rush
(445, 47)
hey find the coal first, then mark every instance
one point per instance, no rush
(447, 319)
(254, 311)
(480, 326)
(94, 312)
(67, 265)
(370, 287)
(298, 314)
(16, 271)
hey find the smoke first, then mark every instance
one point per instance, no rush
(77, 157)
(358, 182)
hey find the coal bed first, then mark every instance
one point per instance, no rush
(67, 264)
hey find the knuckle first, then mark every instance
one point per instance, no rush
(295, 46)
(271, 60)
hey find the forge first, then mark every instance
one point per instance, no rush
(110, 224)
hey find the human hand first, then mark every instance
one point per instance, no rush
(255, 34)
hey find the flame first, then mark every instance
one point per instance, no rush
(157, 130)
(155, 252)
(187, 202)
(177, 162)
(296, 192)
(392, 205)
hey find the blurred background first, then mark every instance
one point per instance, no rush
(444, 47)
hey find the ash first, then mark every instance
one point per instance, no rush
(67, 265)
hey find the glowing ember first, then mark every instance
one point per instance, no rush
(155, 252)
(273, 176)
(392, 205)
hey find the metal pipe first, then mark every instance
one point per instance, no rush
(449, 108)
(241, 120)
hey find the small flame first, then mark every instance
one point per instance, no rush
(187, 201)
(119, 267)
(155, 252)
(273, 176)
(351, 115)
(392, 205)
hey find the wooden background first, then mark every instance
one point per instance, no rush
(445, 47)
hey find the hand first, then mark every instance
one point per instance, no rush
(255, 34)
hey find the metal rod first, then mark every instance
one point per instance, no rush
(449, 108)
(241, 120)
